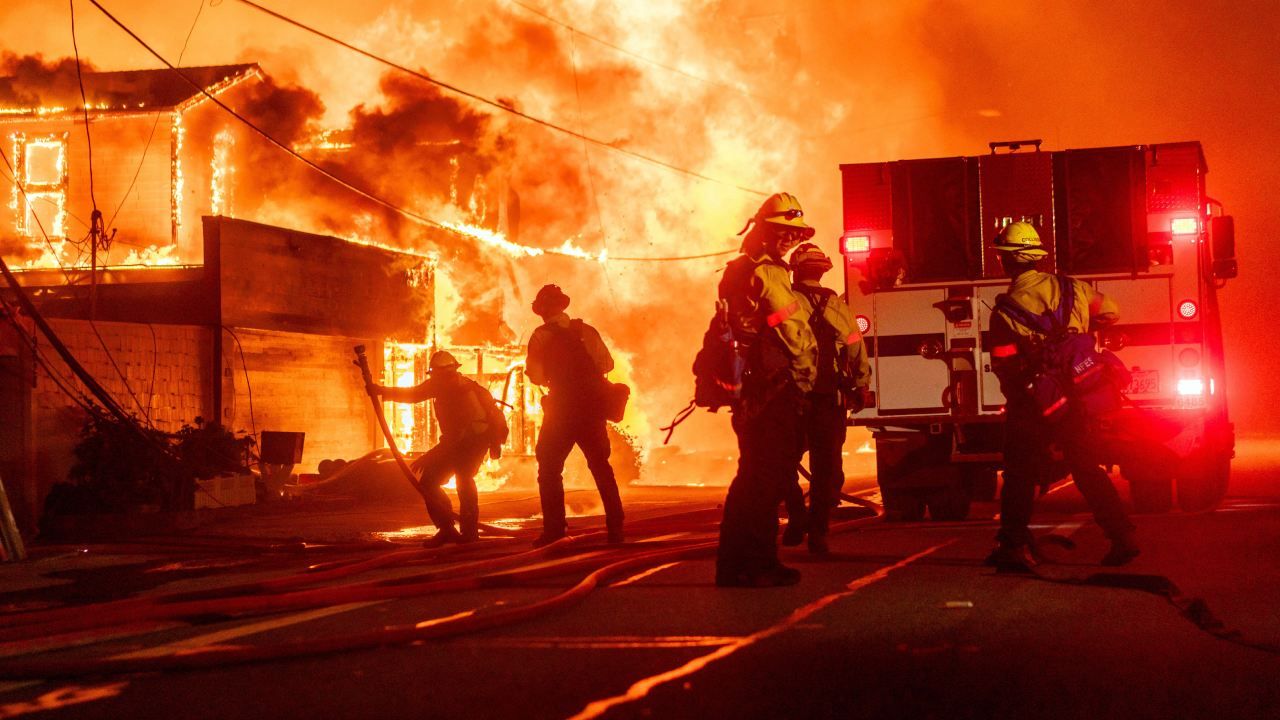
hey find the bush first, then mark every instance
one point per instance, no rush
(123, 468)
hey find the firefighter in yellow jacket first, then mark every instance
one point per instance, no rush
(771, 327)
(840, 385)
(1028, 435)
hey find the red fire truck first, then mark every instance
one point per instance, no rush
(922, 278)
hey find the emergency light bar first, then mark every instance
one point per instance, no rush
(857, 244)
(1185, 226)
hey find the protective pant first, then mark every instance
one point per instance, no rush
(1026, 458)
(452, 458)
(824, 434)
(825, 431)
(561, 430)
(769, 448)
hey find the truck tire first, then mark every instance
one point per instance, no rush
(949, 504)
(1150, 492)
(1202, 483)
(979, 481)
(903, 506)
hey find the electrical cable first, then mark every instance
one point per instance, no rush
(628, 53)
(253, 423)
(84, 103)
(378, 200)
(494, 103)
(92, 324)
(145, 148)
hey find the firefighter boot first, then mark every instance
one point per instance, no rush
(1012, 559)
(470, 533)
(547, 537)
(1124, 549)
(818, 544)
(445, 535)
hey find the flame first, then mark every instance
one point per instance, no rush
(178, 134)
(222, 173)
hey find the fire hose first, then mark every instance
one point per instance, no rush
(371, 591)
(362, 362)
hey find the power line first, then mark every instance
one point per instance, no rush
(628, 53)
(405, 212)
(496, 104)
(117, 409)
(84, 103)
(155, 124)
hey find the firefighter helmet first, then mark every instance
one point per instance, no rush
(810, 258)
(550, 300)
(1021, 241)
(443, 359)
(783, 211)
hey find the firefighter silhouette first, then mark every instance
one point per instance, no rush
(569, 357)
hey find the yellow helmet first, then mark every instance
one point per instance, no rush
(1021, 240)
(782, 209)
(809, 257)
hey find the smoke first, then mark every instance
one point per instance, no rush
(30, 81)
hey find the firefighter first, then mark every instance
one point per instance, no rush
(570, 358)
(771, 328)
(1028, 435)
(843, 374)
(466, 434)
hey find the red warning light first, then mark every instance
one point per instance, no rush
(864, 323)
(1187, 309)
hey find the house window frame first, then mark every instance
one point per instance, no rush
(26, 193)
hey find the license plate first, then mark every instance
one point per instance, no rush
(1144, 382)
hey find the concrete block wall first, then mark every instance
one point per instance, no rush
(300, 382)
(179, 355)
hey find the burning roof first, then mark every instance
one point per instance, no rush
(58, 90)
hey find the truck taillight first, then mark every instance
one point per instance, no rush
(864, 324)
(1190, 387)
(1187, 309)
(1185, 226)
(857, 244)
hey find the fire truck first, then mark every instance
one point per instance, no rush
(922, 278)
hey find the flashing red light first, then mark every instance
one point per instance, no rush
(1190, 387)
(864, 323)
(1187, 309)
(1185, 226)
(857, 243)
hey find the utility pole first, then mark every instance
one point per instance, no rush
(98, 237)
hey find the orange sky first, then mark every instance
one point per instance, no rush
(799, 88)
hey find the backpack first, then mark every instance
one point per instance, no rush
(493, 415)
(1065, 369)
(719, 365)
(580, 378)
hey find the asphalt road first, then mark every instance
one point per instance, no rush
(903, 621)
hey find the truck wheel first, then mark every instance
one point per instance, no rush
(903, 506)
(1150, 493)
(979, 481)
(948, 504)
(1204, 483)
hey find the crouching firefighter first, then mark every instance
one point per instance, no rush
(839, 387)
(761, 355)
(1058, 389)
(570, 358)
(471, 425)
